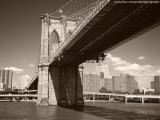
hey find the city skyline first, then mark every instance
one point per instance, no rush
(20, 40)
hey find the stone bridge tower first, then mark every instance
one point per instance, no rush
(57, 85)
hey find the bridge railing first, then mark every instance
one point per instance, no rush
(18, 95)
(100, 4)
(124, 95)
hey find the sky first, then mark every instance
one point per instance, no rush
(20, 29)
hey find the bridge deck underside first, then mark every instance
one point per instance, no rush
(109, 28)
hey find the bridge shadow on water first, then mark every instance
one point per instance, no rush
(113, 114)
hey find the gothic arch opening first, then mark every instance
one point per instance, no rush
(53, 42)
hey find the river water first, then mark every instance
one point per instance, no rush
(91, 111)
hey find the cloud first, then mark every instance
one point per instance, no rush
(141, 58)
(132, 68)
(116, 60)
(31, 65)
(143, 73)
(17, 70)
(26, 77)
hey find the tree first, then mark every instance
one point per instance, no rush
(103, 90)
(137, 91)
(8, 90)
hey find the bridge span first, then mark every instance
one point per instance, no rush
(120, 97)
(67, 40)
(18, 95)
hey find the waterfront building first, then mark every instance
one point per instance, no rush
(4, 86)
(132, 84)
(94, 82)
(86, 83)
(1, 86)
(1, 75)
(119, 83)
(108, 84)
(101, 80)
(101, 75)
(91, 82)
(6, 78)
(102, 70)
(115, 83)
(124, 83)
(156, 84)
(23, 82)
(152, 85)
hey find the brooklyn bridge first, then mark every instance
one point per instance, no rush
(79, 31)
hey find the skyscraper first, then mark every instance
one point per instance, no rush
(157, 84)
(1, 87)
(152, 85)
(132, 84)
(0, 75)
(108, 84)
(115, 83)
(102, 70)
(6, 78)
(91, 83)
(124, 83)
(23, 82)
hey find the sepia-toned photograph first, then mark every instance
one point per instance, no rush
(79, 59)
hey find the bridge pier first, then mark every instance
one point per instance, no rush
(53, 86)
(67, 86)
(60, 86)
(43, 85)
